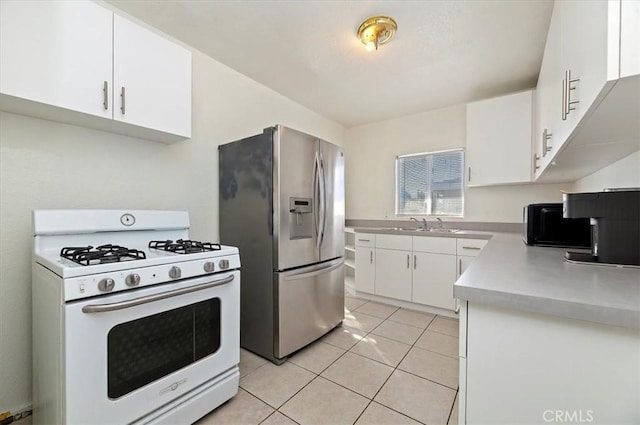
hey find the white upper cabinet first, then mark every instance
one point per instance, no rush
(57, 53)
(499, 140)
(68, 61)
(151, 78)
(584, 106)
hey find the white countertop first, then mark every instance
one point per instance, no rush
(510, 274)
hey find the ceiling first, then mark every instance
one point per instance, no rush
(444, 52)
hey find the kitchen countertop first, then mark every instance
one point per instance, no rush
(507, 273)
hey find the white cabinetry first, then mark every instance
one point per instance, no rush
(434, 271)
(393, 266)
(586, 371)
(155, 75)
(58, 53)
(584, 107)
(497, 129)
(68, 61)
(420, 270)
(365, 262)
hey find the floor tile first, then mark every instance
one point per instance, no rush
(376, 309)
(453, 419)
(317, 356)
(278, 418)
(398, 331)
(445, 325)
(276, 384)
(413, 318)
(377, 414)
(417, 398)
(432, 366)
(361, 321)
(344, 337)
(249, 362)
(381, 349)
(439, 343)
(359, 374)
(351, 303)
(243, 409)
(322, 402)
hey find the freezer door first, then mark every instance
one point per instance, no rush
(332, 172)
(309, 303)
(296, 188)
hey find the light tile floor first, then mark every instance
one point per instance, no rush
(384, 366)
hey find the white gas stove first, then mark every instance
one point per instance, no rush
(133, 322)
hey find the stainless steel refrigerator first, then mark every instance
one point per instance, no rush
(281, 203)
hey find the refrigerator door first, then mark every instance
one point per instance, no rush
(332, 172)
(310, 302)
(295, 168)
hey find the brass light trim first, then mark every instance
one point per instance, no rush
(377, 31)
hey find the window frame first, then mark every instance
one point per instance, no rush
(396, 200)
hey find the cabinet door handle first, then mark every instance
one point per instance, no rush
(457, 311)
(472, 247)
(545, 144)
(415, 261)
(105, 95)
(370, 257)
(536, 158)
(564, 99)
(122, 96)
(569, 88)
(460, 267)
(364, 240)
(408, 261)
(469, 175)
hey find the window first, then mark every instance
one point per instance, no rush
(430, 183)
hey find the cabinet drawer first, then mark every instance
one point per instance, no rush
(394, 242)
(366, 239)
(434, 244)
(470, 247)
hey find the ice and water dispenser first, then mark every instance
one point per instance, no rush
(301, 218)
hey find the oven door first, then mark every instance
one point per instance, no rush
(128, 354)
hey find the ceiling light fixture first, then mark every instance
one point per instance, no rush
(376, 31)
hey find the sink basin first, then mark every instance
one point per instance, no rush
(415, 229)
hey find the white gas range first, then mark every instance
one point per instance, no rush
(133, 323)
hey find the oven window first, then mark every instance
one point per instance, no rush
(144, 350)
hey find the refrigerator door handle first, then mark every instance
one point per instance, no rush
(303, 274)
(316, 197)
(323, 200)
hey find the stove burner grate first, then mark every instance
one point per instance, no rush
(182, 246)
(87, 255)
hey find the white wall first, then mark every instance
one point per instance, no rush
(49, 165)
(623, 173)
(370, 152)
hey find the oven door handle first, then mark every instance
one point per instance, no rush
(101, 308)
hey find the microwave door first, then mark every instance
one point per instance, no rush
(296, 208)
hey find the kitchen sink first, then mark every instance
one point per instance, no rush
(415, 229)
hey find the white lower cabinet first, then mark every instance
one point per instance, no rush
(433, 279)
(417, 269)
(393, 274)
(365, 269)
(565, 370)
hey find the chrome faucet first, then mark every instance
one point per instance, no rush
(439, 222)
(421, 225)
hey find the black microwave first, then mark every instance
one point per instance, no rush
(544, 225)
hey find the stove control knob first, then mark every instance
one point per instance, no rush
(223, 264)
(175, 272)
(209, 267)
(106, 284)
(132, 280)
